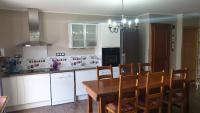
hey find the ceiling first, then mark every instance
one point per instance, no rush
(106, 7)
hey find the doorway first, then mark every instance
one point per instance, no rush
(160, 40)
(189, 51)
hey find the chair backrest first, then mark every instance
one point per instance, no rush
(108, 74)
(144, 68)
(127, 91)
(178, 79)
(126, 69)
(154, 86)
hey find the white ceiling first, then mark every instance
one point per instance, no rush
(106, 7)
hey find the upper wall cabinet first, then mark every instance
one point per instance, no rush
(82, 35)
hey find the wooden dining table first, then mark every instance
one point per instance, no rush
(103, 90)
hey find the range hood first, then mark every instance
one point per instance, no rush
(34, 33)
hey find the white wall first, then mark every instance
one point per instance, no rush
(53, 27)
(144, 36)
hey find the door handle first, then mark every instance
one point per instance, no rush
(123, 58)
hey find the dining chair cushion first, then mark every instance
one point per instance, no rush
(125, 108)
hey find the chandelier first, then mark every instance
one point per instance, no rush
(115, 26)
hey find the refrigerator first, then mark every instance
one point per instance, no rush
(129, 47)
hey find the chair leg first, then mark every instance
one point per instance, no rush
(169, 110)
(106, 111)
(146, 111)
(183, 108)
(160, 109)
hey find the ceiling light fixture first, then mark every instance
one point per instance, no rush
(114, 26)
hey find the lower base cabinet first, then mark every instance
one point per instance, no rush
(83, 75)
(9, 86)
(27, 91)
(36, 88)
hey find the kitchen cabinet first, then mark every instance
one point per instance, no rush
(84, 75)
(36, 88)
(28, 89)
(62, 87)
(82, 35)
(10, 89)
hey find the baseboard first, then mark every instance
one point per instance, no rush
(81, 97)
(28, 106)
(62, 102)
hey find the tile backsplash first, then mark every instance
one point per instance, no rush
(64, 61)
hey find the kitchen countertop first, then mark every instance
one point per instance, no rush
(47, 70)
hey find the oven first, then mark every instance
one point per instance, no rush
(110, 56)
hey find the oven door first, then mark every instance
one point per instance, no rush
(110, 56)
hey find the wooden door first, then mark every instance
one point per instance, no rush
(160, 36)
(189, 50)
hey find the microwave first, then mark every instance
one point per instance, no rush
(2, 53)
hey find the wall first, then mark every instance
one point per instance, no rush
(191, 20)
(53, 27)
(144, 36)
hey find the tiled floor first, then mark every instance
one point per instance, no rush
(78, 107)
(81, 106)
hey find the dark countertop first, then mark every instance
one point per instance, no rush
(46, 70)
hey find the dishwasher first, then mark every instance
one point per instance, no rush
(62, 88)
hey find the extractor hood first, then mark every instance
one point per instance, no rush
(34, 33)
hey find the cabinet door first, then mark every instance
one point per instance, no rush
(77, 35)
(9, 86)
(84, 75)
(62, 87)
(90, 35)
(36, 88)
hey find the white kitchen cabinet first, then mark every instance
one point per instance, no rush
(36, 88)
(84, 75)
(62, 87)
(82, 35)
(9, 85)
(27, 91)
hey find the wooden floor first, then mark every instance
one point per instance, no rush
(81, 106)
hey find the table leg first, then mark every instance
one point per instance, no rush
(187, 98)
(101, 107)
(90, 107)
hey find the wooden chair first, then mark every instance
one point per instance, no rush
(126, 69)
(176, 95)
(143, 66)
(153, 92)
(108, 74)
(126, 98)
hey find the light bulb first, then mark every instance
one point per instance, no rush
(114, 24)
(136, 21)
(129, 22)
(109, 21)
(27, 45)
(123, 21)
